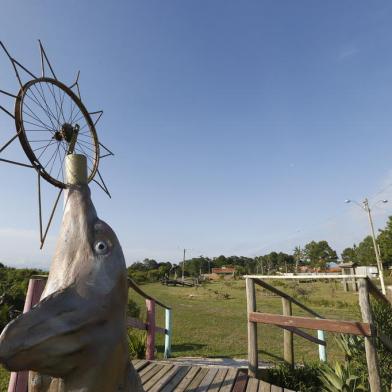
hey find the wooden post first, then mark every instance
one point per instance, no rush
(389, 293)
(18, 381)
(252, 328)
(168, 334)
(150, 349)
(370, 342)
(288, 336)
(354, 281)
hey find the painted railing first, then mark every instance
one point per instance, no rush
(19, 380)
(150, 325)
(292, 324)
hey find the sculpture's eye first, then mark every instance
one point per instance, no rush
(101, 247)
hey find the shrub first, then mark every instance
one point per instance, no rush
(304, 378)
(342, 378)
(133, 308)
(137, 341)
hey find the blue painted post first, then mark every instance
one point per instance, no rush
(322, 349)
(168, 334)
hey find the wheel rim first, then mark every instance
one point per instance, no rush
(48, 115)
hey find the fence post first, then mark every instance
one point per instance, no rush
(18, 381)
(288, 336)
(168, 333)
(370, 342)
(150, 349)
(252, 328)
(322, 349)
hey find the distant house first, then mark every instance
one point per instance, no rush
(223, 272)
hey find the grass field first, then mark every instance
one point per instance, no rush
(210, 320)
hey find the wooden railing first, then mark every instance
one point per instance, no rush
(292, 324)
(150, 325)
(18, 381)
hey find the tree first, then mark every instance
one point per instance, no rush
(365, 252)
(384, 240)
(150, 264)
(299, 256)
(319, 253)
(349, 255)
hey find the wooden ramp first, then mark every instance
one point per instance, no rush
(166, 377)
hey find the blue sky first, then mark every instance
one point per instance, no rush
(239, 127)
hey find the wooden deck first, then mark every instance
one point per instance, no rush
(166, 377)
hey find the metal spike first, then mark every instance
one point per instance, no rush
(76, 81)
(9, 141)
(6, 111)
(99, 117)
(15, 63)
(44, 58)
(109, 153)
(103, 185)
(16, 163)
(43, 238)
(9, 94)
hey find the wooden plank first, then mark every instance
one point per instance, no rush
(287, 390)
(146, 369)
(192, 387)
(148, 375)
(207, 380)
(253, 363)
(373, 289)
(229, 380)
(165, 379)
(370, 341)
(153, 380)
(240, 382)
(351, 327)
(284, 295)
(187, 379)
(140, 365)
(218, 380)
(264, 386)
(136, 323)
(169, 386)
(274, 388)
(305, 335)
(135, 287)
(303, 277)
(288, 336)
(160, 330)
(253, 385)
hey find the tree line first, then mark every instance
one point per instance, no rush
(315, 254)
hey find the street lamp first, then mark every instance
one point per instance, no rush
(365, 206)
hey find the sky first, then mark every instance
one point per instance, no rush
(238, 127)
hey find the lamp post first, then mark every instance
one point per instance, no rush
(365, 206)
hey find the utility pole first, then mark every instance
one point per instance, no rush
(183, 265)
(376, 248)
(365, 206)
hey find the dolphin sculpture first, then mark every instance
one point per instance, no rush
(75, 338)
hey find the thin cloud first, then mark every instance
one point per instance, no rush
(348, 53)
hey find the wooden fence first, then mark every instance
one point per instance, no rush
(292, 324)
(18, 381)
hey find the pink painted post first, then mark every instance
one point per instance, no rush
(150, 349)
(18, 381)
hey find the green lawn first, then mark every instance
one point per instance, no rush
(4, 376)
(205, 323)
